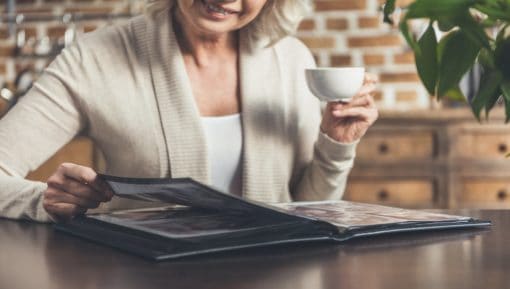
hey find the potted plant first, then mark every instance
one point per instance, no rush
(475, 31)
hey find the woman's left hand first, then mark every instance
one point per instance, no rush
(348, 122)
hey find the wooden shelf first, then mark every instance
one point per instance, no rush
(434, 159)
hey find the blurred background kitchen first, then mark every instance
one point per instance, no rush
(420, 154)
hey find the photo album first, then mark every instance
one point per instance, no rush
(191, 218)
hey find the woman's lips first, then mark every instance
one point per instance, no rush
(211, 7)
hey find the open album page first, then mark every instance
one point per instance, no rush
(350, 215)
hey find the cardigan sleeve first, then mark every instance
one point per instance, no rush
(325, 177)
(43, 121)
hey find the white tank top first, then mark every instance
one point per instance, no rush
(224, 139)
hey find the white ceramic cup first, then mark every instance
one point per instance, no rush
(335, 83)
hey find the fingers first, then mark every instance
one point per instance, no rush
(368, 88)
(59, 196)
(362, 113)
(362, 108)
(73, 189)
(77, 189)
(365, 100)
(371, 78)
(347, 122)
(86, 176)
(362, 101)
(63, 211)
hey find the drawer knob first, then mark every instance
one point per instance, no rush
(383, 195)
(503, 148)
(383, 148)
(502, 195)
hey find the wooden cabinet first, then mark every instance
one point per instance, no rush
(80, 151)
(485, 192)
(408, 192)
(433, 159)
(491, 142)
(390, 145)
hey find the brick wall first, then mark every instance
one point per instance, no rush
(339, 33)
(352, 33)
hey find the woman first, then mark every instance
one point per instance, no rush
(157, 93)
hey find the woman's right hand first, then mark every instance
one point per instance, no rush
(72, 190)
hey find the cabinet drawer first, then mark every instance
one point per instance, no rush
(483, 193)
(79, 151)
(397, 145)
(483, 144)
(412, 193)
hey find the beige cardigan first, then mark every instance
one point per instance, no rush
(126, 87)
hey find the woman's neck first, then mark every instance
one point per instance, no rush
(204, 48)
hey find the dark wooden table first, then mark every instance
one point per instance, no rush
(35, 256)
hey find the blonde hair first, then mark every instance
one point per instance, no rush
(278, 18)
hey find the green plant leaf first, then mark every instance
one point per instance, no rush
(436, 8)
(472, 29)
(507, 109)
(442, 44)
(502, 56)
(493, 12)
(502, 33)
(489, 86)
(445, 24)
(505, 89)
(404, 28)
(458, 55)
(492, 100)
(426, 59)
(389, 8)
(489, 22)
(486, 58)
(456, 94)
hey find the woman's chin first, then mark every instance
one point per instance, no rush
(214, 28)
